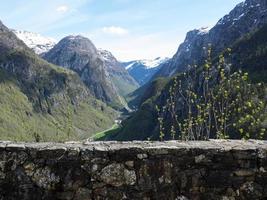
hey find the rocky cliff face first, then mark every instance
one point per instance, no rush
(244, 18)
(122, 80)
(80, 55)
(9, 40)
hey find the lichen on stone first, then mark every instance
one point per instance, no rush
(117, 175)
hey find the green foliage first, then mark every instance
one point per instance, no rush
(213, 103)
(250, 54)
(149, 91)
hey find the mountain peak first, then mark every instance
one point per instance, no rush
(77, 43)
(106, 55)
(38, 43)
(153, 62)
(75, 37)
(143, 70)
(79, 54)
(148, 63)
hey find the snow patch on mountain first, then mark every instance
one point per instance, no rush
(143, 70)
(106, 55)
(148, 64)
(130, 65)
(154, 63)
(38, 43)
(203, 30)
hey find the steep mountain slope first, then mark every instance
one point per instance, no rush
(143, 70)
(80, 55)
(122, 80)
(144, 122)
(39, 44)
(244, 18)
(42, 102)
(248, 54)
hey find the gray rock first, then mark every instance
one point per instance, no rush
(142, 156)
(79, 54)
(117, 175)
(83, 194)
(44, 178)
(129, 164)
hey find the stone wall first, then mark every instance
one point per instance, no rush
(150, 170)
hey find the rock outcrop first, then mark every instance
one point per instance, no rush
(120, 77)
(80, 55)
(71, 48)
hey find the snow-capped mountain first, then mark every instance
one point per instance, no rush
(143, 70)
(148, 64)
(39, 44)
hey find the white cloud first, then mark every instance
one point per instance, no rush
(115, 30)
(62, 9)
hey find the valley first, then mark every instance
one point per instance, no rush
(133, 100)
(69, 89)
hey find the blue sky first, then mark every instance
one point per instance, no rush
(130, 29)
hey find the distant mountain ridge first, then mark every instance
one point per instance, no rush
(38, 43)
(121, 80)
(99, 70)
(143, 70)
(79, 54)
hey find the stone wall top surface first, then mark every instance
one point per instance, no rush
(222, 145)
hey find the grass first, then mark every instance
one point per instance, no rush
(124, 87)
(105, 135)
(19, 121)
(150, 90)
